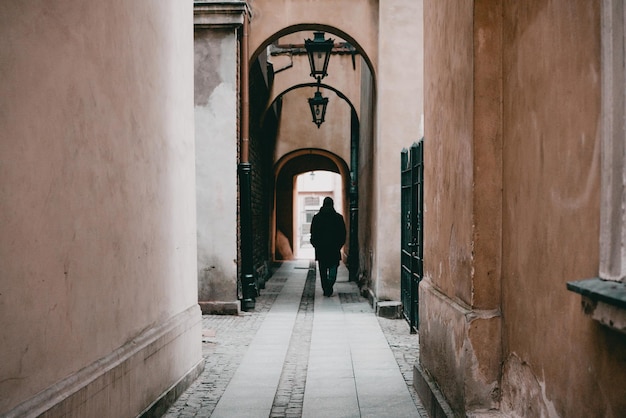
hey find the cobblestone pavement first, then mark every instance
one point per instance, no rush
(226, 339)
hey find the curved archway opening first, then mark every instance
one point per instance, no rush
(290, 197)
(322, 86)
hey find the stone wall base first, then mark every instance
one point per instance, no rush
(220, 308)
(167, 399)
(390, 309)
(156, 364)
(430, 395)
(460, 349)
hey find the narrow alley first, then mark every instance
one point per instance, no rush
(302, 354)
(162, 164)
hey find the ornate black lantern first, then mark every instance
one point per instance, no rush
(318, 51)
(318, 105)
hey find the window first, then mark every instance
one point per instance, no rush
(312, 201)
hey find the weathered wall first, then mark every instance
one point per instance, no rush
(98, 297)
(297, 131)
(459, 297)
(448, 151)
(448, 28)
(216, 158)
(513, 104)
(558, 361)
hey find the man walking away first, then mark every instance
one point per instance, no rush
(328, 234)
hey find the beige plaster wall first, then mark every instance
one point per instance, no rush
(460, 321)
(400, 99)
(568, 364)
(296, 129)
(448, 66)
(97, 206)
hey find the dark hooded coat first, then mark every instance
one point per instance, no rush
(328, 234)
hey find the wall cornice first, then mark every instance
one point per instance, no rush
(219, 14)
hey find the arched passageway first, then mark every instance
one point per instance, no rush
(299, 145)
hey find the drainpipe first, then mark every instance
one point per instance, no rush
(353, 257)
(248, 284)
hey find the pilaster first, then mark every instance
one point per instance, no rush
(460, 297)
(216, 96)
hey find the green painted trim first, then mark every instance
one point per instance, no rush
(607, 291)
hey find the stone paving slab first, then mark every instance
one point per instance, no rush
(227, 339)
(251, 391)
(353, 371)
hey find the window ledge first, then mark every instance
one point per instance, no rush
(603, 300)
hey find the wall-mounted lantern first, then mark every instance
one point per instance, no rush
(318, 105)
(318, 51)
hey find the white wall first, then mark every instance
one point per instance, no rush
(216, 162)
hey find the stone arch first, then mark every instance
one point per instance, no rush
(333, 31)
(368, 58)
(356, 21)
(285, 170)
(338, 92)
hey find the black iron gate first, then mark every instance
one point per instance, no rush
(412, 235)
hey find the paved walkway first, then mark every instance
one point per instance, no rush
(300, 354)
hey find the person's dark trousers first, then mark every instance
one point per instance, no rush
(328, 275)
